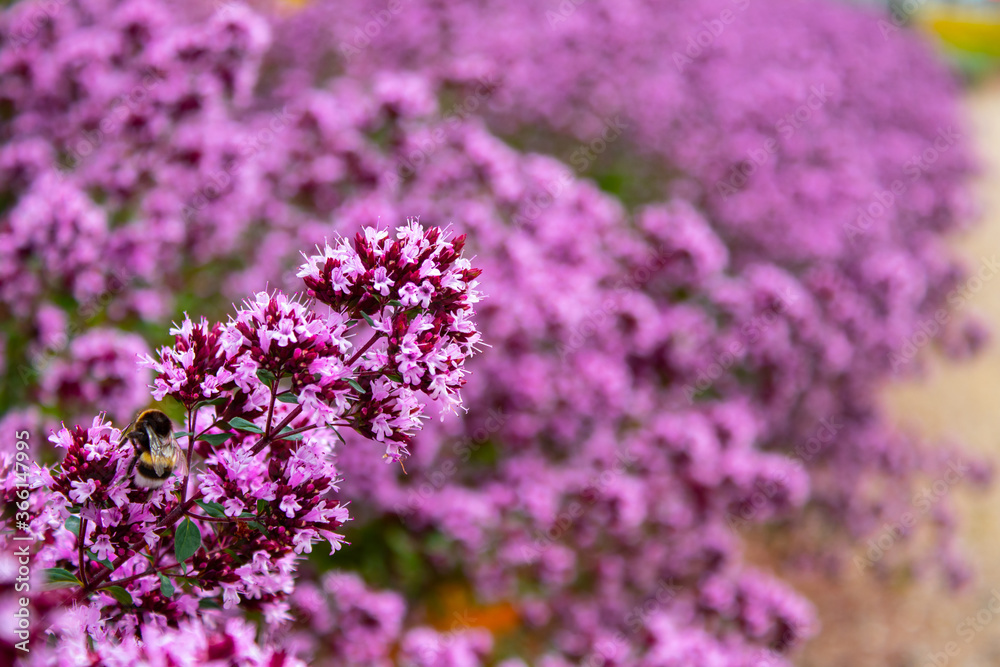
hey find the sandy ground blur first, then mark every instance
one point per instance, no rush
(868, 623)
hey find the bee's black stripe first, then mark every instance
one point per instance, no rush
(147, 470)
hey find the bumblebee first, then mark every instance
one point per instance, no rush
(157, 453)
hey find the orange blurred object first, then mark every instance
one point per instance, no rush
(460, 613)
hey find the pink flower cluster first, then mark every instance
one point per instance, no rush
(189, 643)
(417, 343)
(100, 370)
(386, 280)
(363, 627)
(263, 396)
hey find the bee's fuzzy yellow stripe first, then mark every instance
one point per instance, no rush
(156, 460)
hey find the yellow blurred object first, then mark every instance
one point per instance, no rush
(970, 29)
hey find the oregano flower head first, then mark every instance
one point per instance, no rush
(264, 397)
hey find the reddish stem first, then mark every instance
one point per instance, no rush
(270, 409)
(80, 539)
(284, 436)
(363, 349)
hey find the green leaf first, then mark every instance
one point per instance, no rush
(397, 303)
(57, 575)
(187, 540)
(368, 319)
(257, 526)
(73, 525)
(166, 588)
(289, 429)
(395, 377)
(93, 556)
(261, 506)
(120, 594)
(212, 509)
(288, 398)
(205, 603)
(356, 386)
(218, 400)
(339, 437)
(215, 439)
(266, 376)
(241, 424)
(181, 434)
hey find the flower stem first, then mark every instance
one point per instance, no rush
(128, 580)
(190, 449)
(168, 520)
(285, 436)
(363, 349)
(212, 519)
(270, 409)
(80, 538)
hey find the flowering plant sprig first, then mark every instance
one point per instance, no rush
(263, 395)
(418, 292)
